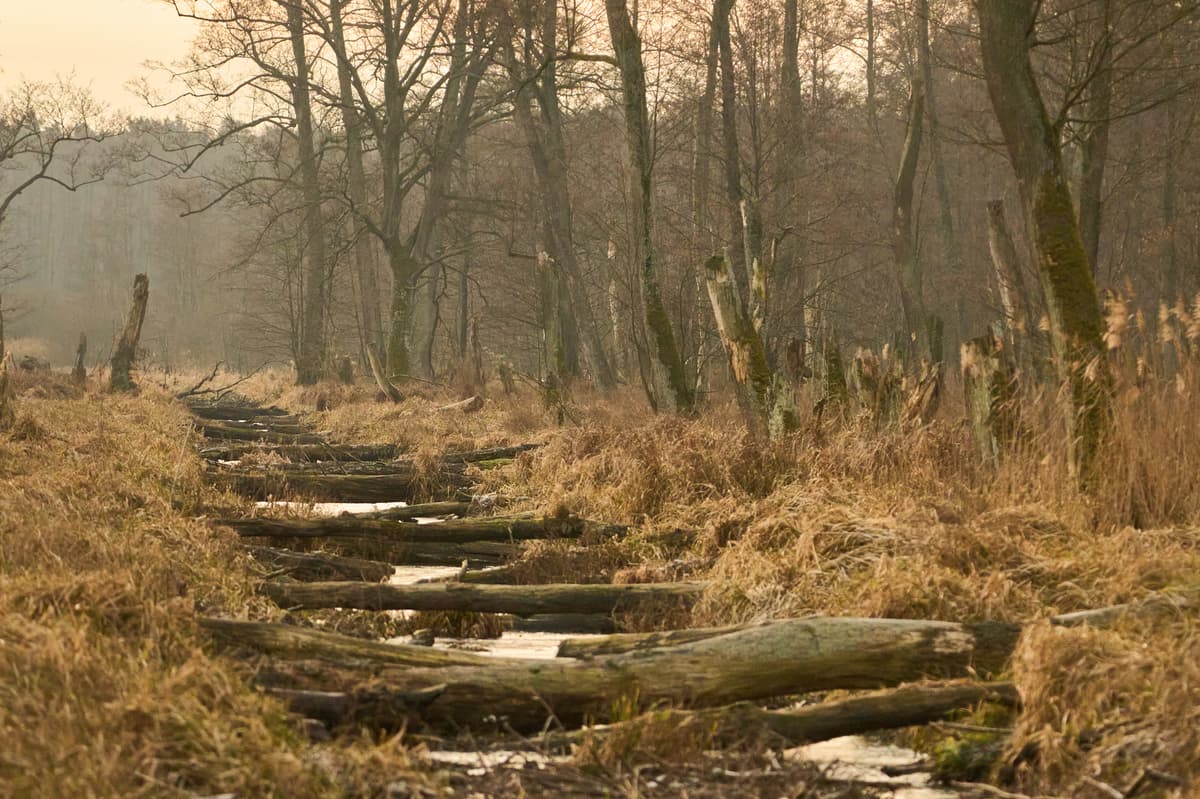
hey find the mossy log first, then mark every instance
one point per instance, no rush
(744, 723)
(783, 658)
(1148, 607)
(317, 468)
(396, 487)
(264, 425)
(519, 600)
(453, 531)
(322, 565)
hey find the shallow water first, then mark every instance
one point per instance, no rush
(854, 758)
(332, 508)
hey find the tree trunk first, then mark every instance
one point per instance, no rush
(365, 265)
(1094, 147)
(789, 261)
(310, 363)
(988, 391)
(1009, 277)
(79, 372)
(1172, 287)
(7, 416)
(1076, 326)
(125, 347)
(787, 657)
(953, 247)
(627, 47)
(757, 387)
(904, 248)
(520, 600)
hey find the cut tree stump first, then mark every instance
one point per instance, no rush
(318, 566)
(744, 723)
(788, 657)
(519, 600)
(125, 347)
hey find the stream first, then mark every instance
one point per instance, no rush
(853, 759)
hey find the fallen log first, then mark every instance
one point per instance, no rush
(420, 510)
(469, 405)
(1150, 606)
(636, 642)
(562, 623)
(237, 413)
(322, 566)
(788, 657)
(265, 425)
(519, 600)
(212, 429)
(744, 723)
(450, 531)
(306, 452)
(343, 487)
(319, 468)
(298, 643)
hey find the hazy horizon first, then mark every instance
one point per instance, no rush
(103, 42)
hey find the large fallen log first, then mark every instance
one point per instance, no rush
(451, 531)
(519, 600)
(744, 723)
(343, 487)
(1148, 607)
(318, 468)
(788, 657)
(322, 565)
(635, 642)
(264, 425)
(306, 452)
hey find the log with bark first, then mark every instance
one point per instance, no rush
(744, 723)
(235, 413)
(519, 600)
(783, 658)
(316, 566)
(125, 347)
(223, 430)
(420, 510)
(292, 642)
(1148, 607)
(400, 487)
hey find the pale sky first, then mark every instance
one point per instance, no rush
(105, 42)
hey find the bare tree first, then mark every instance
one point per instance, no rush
(627, 47)
(1007, 28)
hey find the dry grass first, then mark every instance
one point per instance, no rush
(841, 518)
(107, 687)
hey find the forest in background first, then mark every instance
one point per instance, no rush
(285, 211)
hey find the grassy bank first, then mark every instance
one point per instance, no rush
(106, 685)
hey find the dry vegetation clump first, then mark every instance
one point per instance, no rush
(106, 684)
(1108, 704)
